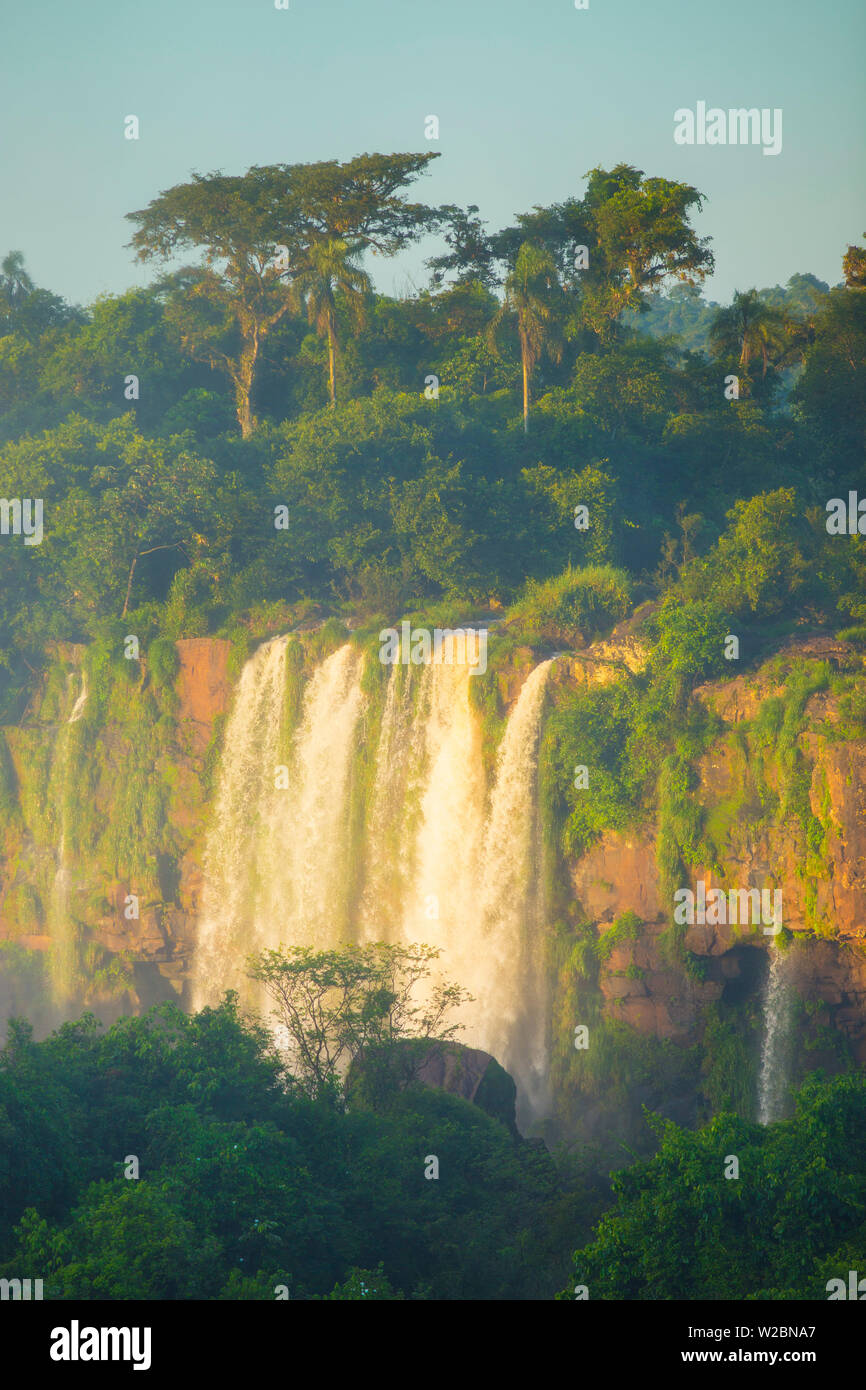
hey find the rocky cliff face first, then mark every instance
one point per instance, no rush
(131, 815)
(820, 868)
(121, 795)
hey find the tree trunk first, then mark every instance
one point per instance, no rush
(525, 394)
(244, 387)
(245, 419)
(332, 379)
(129, 584)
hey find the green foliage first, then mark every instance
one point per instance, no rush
(370, 1284)
(626, 927)
(682, 1230)
(729, 1068)
(556, 492)
(240, 1176)
(599, 728)
(8, 785)
(688, 645)
(575, 606)
(680, 841)
(163, 661)
(778, 725)
(760, 563)
(353, 1002)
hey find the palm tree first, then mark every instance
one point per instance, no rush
(747, 327)
(15, 283)
(532, 298)
(326, 269)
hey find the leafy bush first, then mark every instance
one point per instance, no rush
(626, 927)
(163, 661)
(689, 644)
(682, 1230)
(574, 606)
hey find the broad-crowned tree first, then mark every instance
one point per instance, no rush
(234, 301)
(258, 232)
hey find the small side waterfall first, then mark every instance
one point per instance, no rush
(776, 1042)
(59, 919)
(78, 707)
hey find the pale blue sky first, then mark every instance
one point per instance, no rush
(530, 95)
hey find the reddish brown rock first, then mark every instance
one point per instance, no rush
(618, 874)
(842, 771)
(203, 686)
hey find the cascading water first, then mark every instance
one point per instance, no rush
(776, 1042)
(515, 1017)
(59, 919)
(242, 821)
(392, 822)
(306, 870)
(275, 856)
(441, 889)
(78, 707)
(435, 864)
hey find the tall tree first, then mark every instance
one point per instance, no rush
(471, 254)
(240, 293)
(626, 237)
(328, 269)
(258, 231)
(533, 302)
(643, 237)
(15, 282)
(26, 309)
(831, 393)
(747, 328)
(360, 202)
(854, 267)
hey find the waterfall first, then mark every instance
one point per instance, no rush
(59, 920)
(439, 904)
(391, 824)
(242, 823)
(78, 707)
(514, 1019)
(776, 1041)
(456, 877)
(307, 870)
(275, 859)
(441, 859)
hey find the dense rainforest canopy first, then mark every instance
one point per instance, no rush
(243, 1185)
(263, 427)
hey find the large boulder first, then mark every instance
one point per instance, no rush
(450, 1066)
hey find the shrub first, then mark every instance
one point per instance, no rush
(163, 661)
(625, 928)
(573, 606)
